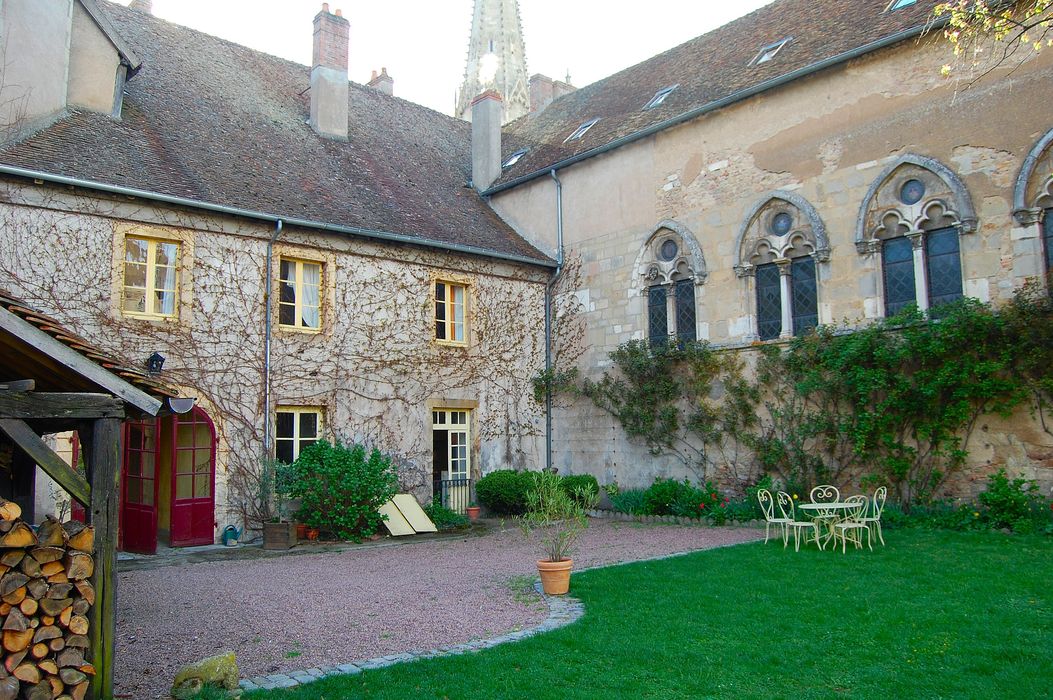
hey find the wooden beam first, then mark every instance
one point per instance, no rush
(29, 405)
(59, 351)
(19, 385)
(102, 459)
(55, 467)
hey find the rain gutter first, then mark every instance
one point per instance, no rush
(720, 104)
(384, 236)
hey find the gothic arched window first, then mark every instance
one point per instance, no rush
(1033, 199)
(668, 268)
(912, 217)
(781, 240)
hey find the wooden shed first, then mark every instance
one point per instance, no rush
(52, 381)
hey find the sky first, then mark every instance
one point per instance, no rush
(424, 43)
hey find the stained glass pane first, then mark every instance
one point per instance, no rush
(944, 266)
(657, 316)
(804, 297)
(769, 302)
(897, 264)
(685, 311)
(1047, 237)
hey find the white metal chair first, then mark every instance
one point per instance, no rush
(788, 513)
(767, 505)
(873, 520)
(825, 493)
(853, 522)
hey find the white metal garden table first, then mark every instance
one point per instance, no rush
(829, 514)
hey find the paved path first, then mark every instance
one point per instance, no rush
(293, 613)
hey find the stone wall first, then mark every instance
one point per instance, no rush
(828, 140)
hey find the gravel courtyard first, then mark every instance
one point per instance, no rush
(298, 611)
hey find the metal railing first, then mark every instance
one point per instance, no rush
(455, 494)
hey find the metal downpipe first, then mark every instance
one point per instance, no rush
(548, 318)
(268, 282)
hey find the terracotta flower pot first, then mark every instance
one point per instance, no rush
(312, 534)
(301, 531)
(473, 512)
(555, 576)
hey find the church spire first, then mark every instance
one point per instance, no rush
(496, 59)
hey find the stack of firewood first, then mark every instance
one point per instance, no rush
(46, 599)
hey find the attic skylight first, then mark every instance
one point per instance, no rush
(659, 97)
(899, 4)
(580, 131)
(514, 158)
(768, 52)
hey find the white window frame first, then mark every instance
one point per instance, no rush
(150, 291)
(769, 52)
(297, 439)
(451, 322)
(581, 130)
(298, 293)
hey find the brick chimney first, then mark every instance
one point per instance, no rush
(329, 86)
(145, 6)
(383, 82)
(543, 90)
(487, 111)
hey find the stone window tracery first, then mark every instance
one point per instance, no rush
(668, 269)
(781, 240)
(1033, 202)
(912, 218)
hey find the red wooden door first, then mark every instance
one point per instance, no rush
(193, 479)
(138, 520)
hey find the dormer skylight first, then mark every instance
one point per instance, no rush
(514, 158)
(580, 131)
(659, 97)
(899, 4)
(768, 52)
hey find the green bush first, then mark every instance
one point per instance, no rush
(504, 492)
(444, 518)
(1012, 503)
(671, 497)
(574, 484)
(629, 501)
(340, 488)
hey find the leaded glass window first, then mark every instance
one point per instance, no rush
(1047, 238)
(657, 316)
(804, 298)
(944, 266)
(769, 301)
(685, 311)
(897, 264)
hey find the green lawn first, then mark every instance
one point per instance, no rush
(933, 615)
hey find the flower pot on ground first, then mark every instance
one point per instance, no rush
(301, 531)
(472, 511)
(558, 518)
(312, 534)
(279, 535)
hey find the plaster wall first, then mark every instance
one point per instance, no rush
(93, 65)
(374, 368)
(825, 138)
(35, 53)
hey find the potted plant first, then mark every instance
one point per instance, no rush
(473, 511)
(279, 532)
(559, 517)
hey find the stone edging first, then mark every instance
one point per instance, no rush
(671, 519)
(562, 611)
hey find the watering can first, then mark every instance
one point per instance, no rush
(230, 536)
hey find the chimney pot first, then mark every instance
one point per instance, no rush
(144, 6)
(325, 7)
(339, 13)
(382, 82)
(487, 112)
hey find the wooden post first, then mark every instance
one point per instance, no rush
(103, 467)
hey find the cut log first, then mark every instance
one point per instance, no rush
(46, 554)
(60, 590)
(9, 510)
(5, 608)
(86, 590)
(81, 536)
(50, 533)
(47, 619)
(77, 641)
(37, 588)
(16, 596)
(70, 657)
(46, 632)
(39, 650)
(54, 607)
(16, 621)
(57, 686)
(88, 669)
(49, 667)
(12, 581)
(34, 622)
(65, 616)
(78, 624)
(40, 691)
(6, 525)
(57, 644)
(31, 567)
(72, 676)
(81, 607)
(59, 577)
(52, 568)
(9, 688)
(29, 605)
(79, 691)
(27, 672)
(14, 659)
(79, 565)
(19, 536)
(15, 640)
(12, 557)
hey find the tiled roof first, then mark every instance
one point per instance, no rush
(710, 68)
(215, 122)
(137, 377)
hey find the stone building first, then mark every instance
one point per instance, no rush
(314, 257)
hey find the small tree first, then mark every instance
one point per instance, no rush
(986, 34)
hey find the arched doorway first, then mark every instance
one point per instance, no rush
(168, 480)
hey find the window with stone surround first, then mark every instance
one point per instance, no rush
(151, 277)
(451, 312)
(1033, 204)
(299, 294)
(912, 219)
(296, 427)
(668, 269)
(780, 242)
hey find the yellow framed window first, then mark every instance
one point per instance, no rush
(151, 273)
(450, 312)
(294, 429)
(299, 300)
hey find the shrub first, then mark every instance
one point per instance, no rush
(1013, 503)
(340, 488)
(576, 483)
(504, 492)
(671, 497)
(551, 510)
(444, 518)
(630, 501)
